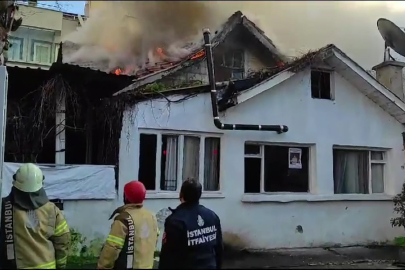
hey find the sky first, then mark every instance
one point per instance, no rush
(76, 7)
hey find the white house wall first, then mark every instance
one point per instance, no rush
(271, 221)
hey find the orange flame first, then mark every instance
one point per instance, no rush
(160, 52)
(118, 71)
(198, 55)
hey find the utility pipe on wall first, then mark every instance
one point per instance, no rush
(214, 101)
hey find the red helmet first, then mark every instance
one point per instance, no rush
(135, 192)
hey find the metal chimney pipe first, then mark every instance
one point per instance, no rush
(214, 101)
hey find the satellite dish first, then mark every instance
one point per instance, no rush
(394, 37)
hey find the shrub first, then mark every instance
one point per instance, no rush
(399, 208)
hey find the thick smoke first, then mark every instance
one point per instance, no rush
(297, 27)
(130, 32)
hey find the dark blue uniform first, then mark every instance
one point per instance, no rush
(192, 239)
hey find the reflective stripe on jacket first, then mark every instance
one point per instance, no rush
(41, 238)
(113, 254)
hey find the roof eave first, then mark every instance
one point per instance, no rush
(348, 69)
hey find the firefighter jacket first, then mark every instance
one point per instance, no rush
(132, 240)
(192, 239)
(34, 233)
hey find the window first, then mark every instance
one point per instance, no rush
(229, 64)
(321, 84)
(41, 52)
(178, 157)
(358, 172)
(15, 51)
(271, 168)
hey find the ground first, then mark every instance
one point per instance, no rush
(311, 258)
(318, 258)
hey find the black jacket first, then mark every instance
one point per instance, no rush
(192, 239)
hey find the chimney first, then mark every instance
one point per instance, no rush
(389, 74)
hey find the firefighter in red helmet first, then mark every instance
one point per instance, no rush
(133, 237)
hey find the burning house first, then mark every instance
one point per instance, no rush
(326, 177)
(314, 143)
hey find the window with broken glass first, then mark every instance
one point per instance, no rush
(268, 169)
(230, 65)
(358, 171)
(321, 86)
(167, 158)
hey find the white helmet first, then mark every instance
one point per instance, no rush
(28, 178)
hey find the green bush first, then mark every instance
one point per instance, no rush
(399, 241)
(399, 208)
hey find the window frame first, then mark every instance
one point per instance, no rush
(35, 43)
(311, 169)
(21, 40)
(180, 153)
(233, 68)
(331, 81)
(384, 162)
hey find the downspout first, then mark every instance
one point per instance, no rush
(211, 77)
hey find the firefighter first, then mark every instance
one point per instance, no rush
(133, 237)
(193, 237)
(34, 233)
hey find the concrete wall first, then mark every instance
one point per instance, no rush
(326, 219)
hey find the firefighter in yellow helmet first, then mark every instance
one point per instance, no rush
(34, 233)
(132, 240)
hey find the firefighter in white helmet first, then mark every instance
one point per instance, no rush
(34, 233)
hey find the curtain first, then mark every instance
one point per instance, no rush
(211, 164)
(170, 180)
(42, 54)
(191, 157)
(350, 172)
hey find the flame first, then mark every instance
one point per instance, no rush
(198, 55)
(118, 71)
(160, 53)
(280, 64)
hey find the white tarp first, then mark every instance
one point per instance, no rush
(70, 182)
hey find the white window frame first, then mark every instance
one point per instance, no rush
(21, 40)
(180, 145)
(311, 169)
(43, 44)
(370, 162)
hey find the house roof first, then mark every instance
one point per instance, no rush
(152, 73)
(335, 58)
(346, 67)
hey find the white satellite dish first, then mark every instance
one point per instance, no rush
(393, 36)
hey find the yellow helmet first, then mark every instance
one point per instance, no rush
(28, 178)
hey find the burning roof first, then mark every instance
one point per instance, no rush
(151, 71)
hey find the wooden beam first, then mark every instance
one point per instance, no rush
(60, 117)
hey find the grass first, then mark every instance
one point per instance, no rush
(399, 241)
(76, 262)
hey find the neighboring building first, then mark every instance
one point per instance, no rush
(328, 181)
(35, 44)
(91, 6)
